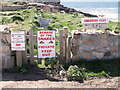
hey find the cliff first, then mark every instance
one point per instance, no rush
(45, 5)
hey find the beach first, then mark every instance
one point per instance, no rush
(105, 9)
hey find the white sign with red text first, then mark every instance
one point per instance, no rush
(46, 44)
(94, 23)
(18, 40)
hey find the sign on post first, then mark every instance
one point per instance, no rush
(94, 23)
(46, 44)
(18, 40)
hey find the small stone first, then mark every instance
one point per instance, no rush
(98, 55)
(86, 56)
(85, 51)
(76, 58)
(104, 43)
(114, 50)
(102, 36)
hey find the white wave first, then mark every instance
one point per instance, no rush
(111, 13)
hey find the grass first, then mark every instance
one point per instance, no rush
(111, 67)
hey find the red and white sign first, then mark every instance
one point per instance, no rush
(94, 20)
(46, 44)
(18, 40)
(94, 23)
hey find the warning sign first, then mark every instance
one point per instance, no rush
(18, 40)
(94, 23)
(46, 44)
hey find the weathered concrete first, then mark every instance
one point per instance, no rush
(98, 45)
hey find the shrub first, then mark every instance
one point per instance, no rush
(17, 18)
(36, 22)
(75, 73)
(5, 20)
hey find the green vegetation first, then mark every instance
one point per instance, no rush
(22, 70)
(113, 26)
(98, 67)
(75, 73)
(78, 73)
(29, 19)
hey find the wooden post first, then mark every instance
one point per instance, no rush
(19, 58)
(69, 49)
(24, 53)
(61, 46)
(65, 42)
(31, 43)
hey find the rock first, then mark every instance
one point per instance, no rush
(86, 56)
(98, 55)
(104, 43)
(85, 51)
(114, 50)
(102, 36)
(76, 58)
(88, 41)
(107, 54)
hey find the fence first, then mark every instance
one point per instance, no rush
(22, 57)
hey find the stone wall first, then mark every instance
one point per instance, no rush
(96, 45)
(7, 59)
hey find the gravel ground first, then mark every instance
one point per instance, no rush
(97, 83)
(38, 79)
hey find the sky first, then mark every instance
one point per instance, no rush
(90, 0)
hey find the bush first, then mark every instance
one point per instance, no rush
(17, 18)
(50, 62)
(5, 20)
(36, 22)
(75, 73)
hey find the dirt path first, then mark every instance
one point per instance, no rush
(101, 83)
(37, 78)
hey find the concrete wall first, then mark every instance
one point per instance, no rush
(7, 60)
(95, 45)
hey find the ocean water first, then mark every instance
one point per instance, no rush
(107, 9)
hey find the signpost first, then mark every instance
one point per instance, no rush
(94, 23)
(18, 45)
(18, 40)
(46, 44)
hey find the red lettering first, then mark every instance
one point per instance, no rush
(50, 38)
(102, 20)
(18, 44)
(46, 32)
(45, 54)
(92, 20)
(12, 35)
(46, 46)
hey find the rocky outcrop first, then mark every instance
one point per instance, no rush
(57, 7)
(46, 6)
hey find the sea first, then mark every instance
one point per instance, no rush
(105, 9)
